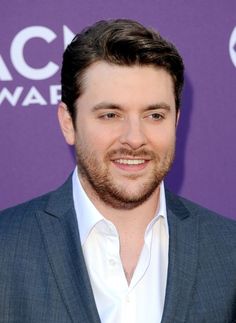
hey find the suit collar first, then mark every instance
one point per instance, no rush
(183, 258)
(60, 232)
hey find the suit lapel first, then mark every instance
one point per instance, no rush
(61, 236)
(183, 257)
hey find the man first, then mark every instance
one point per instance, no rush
(111, 245)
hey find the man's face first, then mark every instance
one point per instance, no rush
(125, 132)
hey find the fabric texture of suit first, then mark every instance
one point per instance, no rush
(43, 277)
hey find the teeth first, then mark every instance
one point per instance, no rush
(130, 161)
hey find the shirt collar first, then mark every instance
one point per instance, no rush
(88, 216)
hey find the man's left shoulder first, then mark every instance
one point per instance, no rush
(206, 217)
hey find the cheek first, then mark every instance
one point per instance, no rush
(102, 137)
(92, 142)
(162, 139)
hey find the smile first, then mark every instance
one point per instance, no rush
(130, 161)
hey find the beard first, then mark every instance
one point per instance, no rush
(95, 174)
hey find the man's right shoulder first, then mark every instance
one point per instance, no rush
(27, 207)
(37, 204)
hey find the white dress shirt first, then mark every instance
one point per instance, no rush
(117, 302)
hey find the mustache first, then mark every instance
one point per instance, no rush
(131, 153)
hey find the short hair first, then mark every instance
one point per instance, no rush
(121, 42)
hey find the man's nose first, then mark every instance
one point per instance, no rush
(132, 133)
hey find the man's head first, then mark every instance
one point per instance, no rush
(121, 87)
(121, 42)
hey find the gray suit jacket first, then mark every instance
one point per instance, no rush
(43, 277)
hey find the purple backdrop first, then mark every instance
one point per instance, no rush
(34, 157)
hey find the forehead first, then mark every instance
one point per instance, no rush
(137, 85)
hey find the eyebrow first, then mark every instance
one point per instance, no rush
(158, 106)
(106, 106)
(112, 106)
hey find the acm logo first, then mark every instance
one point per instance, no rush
(232, 46)
(32, 96)
(28, 96)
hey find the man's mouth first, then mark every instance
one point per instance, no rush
(130, 161)
(131, 164)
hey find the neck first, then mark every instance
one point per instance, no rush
(136, 218)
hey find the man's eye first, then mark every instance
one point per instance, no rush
(110, 115)
(156, 116)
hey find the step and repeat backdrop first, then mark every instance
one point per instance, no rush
(33, 34)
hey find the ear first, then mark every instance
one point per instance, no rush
(66, 123)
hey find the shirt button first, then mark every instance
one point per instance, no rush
(112, 262)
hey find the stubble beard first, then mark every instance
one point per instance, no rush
(96, 176)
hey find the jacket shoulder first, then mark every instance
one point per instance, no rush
(20, 219)
(38, 203)
(26, 207)
(205, 215)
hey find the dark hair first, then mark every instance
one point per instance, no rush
(120, 42)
